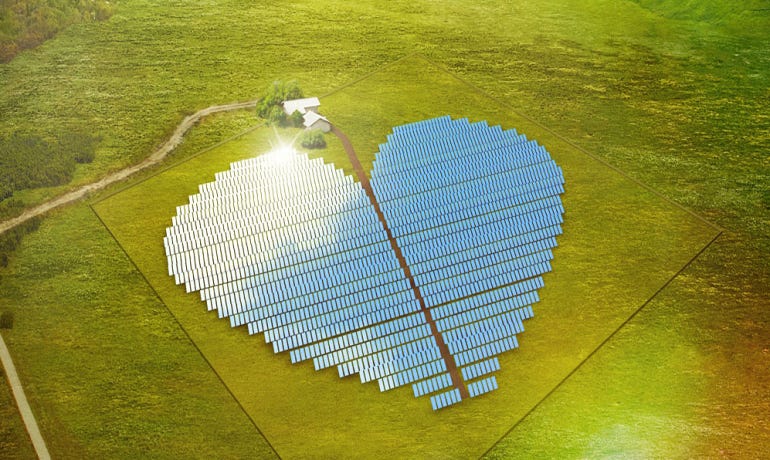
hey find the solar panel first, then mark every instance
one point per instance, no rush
(294, 249)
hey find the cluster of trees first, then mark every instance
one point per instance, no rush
(11, 238)
(24, 24)
(270, 107)
(31, 161)
(313, 139)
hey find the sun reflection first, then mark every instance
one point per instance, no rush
(281, 151)
(281, 154)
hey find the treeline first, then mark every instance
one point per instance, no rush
(25, 24)
(12, 238)
(31, 161)
(270, 108)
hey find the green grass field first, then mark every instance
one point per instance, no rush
(672, 93)
(614, 255)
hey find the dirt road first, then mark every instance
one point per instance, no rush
(156, 157)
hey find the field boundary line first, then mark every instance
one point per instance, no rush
(564, 139)
(154, 158)
(372, 73)
(187, 334)
(178, 163)
(22, 404)
(603, 343)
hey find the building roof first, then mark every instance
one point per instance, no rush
(311, 118)
(300, 105)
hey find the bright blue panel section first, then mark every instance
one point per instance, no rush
(482, 386)
(476, 211)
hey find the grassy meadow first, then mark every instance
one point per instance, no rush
(674, 94)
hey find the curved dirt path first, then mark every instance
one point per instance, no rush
(156, 157)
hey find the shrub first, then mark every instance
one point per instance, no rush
(6, 320)
(313, 139)
(296, 119)
(11, 239)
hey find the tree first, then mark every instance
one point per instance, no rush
(313, 139)
(291, 90)
(276, 116)
(25, 24)
(296, 119)
(274, 95)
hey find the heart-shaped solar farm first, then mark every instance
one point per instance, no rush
(420, 276)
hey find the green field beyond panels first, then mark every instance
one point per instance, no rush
(621, 243)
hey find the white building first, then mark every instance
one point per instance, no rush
(303, 106)
(316, 121)
(308, 107)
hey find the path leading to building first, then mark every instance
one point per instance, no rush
(21, 402)
(156, 157)
(454, 373)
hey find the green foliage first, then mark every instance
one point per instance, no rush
(313, 139)
(31, 161)
(6, 320)
(276, 116)
(295, 119)
(271, 100)
(11, 239)
(25, 24)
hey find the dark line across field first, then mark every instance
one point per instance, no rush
(182, 328)
(572, 144)
(601, 345)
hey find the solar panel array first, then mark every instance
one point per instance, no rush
(475, 210)
(293, 249)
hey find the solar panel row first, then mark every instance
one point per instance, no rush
(396, 327)
(498, 148)
(467, 198)
(481, 368)
(431, 385)
(486, 298)
(245, 256)
(412, 375)
(443, 400)
(482, 386)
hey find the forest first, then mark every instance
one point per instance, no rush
(25, 24)
(22, 158)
